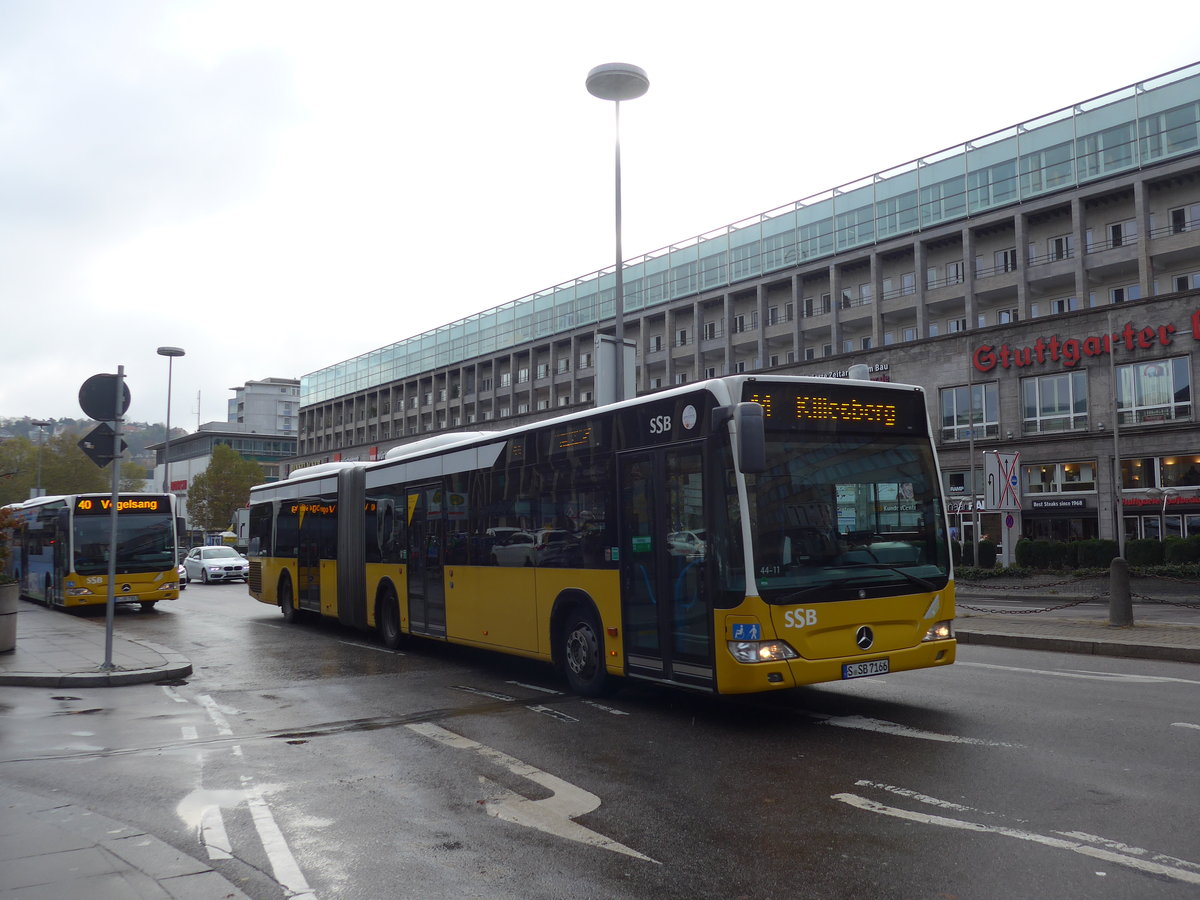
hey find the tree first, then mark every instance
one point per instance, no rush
(222, 488)
(63, 468)
(133, 476)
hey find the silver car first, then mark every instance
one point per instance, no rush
(208, 564)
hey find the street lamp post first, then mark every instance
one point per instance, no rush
(617, 82)
(170, 353)
(41, 425)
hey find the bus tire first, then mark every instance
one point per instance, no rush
(149, 607)
(583, 652)
(387, 619)
(287, 602)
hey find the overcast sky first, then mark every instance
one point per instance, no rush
(278, 186)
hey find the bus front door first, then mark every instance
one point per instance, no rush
(426, 592)
(667, 625)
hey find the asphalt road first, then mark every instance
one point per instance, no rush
(305, 760)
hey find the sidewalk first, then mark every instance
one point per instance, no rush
(59, 649)
(1071, 616)
(57, 851)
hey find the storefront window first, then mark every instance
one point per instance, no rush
(1061, 478)
(1158, 391)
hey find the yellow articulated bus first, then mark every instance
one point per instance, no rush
(736, 535)
(62, 544)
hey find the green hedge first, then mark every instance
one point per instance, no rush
(1144, 552)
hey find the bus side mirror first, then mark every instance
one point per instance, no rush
(749, 434)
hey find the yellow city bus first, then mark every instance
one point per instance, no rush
(61, 549)
(617, 541)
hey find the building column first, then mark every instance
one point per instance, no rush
(877, 328)
(1021, 235)
(968, 247)
(835, 313)
(920, 261)
(797, 318)
(761, 301)
(1142, 217)
(1078, 227)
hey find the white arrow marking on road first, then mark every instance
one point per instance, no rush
(552, 815)
(1120, 859)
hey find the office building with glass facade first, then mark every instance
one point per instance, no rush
(1029, 241)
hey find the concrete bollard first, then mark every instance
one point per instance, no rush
(1120, 606)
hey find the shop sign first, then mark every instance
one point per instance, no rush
(1070, 351)
(1059, 503)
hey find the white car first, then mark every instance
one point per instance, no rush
(208, 564)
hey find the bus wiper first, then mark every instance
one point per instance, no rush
(796, 596)
(915, 579)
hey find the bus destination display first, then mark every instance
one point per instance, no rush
(91, 506)
(838, 408)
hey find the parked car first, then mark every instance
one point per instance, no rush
(511, 547)
(183, 576)
(210, 564)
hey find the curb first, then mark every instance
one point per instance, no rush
(175, 665)
(1075, 645)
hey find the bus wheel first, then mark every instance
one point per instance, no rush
(287, 605)
(149, 607)
(388, 620)
(583, 653)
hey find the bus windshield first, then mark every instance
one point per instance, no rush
(145, 543)
(847, 512)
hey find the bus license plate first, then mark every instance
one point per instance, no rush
(863, 669)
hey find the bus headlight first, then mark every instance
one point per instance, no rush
(939, 631)
(761, 651)
(77, 592)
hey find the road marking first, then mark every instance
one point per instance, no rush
(215, 713)
(862, 723)
(1185, 725)
(470, 690)
(174, 694)
(552, 814)
(534, 687)
(607, 709)
(552, 713)
(189, 732)
(1076, 846)
(1084, 673)
(283, 864)
(213, 836)
(371, 647)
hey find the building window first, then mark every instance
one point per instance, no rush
(848, 345)
(1055, 402)
(656, 343)
(505, 379)
(1006, 260)
(1129, 292)
(656, 383)
(908, 283)
(543, 370)
(810, 353)
(522, 374)
(564, 365)
(1185, 218)
(1008, 316)
(739, 367)
(865, 343)
(970, 411)
(1066, 304)
(827, 349)
(910, 334)
(954, 272)
(1159, 391)
(681, 377)
(1061, 478)
(1122, 233)
(956, 325)
(1061, 247)
(933, 329)
(681, 337)
(710, 372)
(585, 360)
